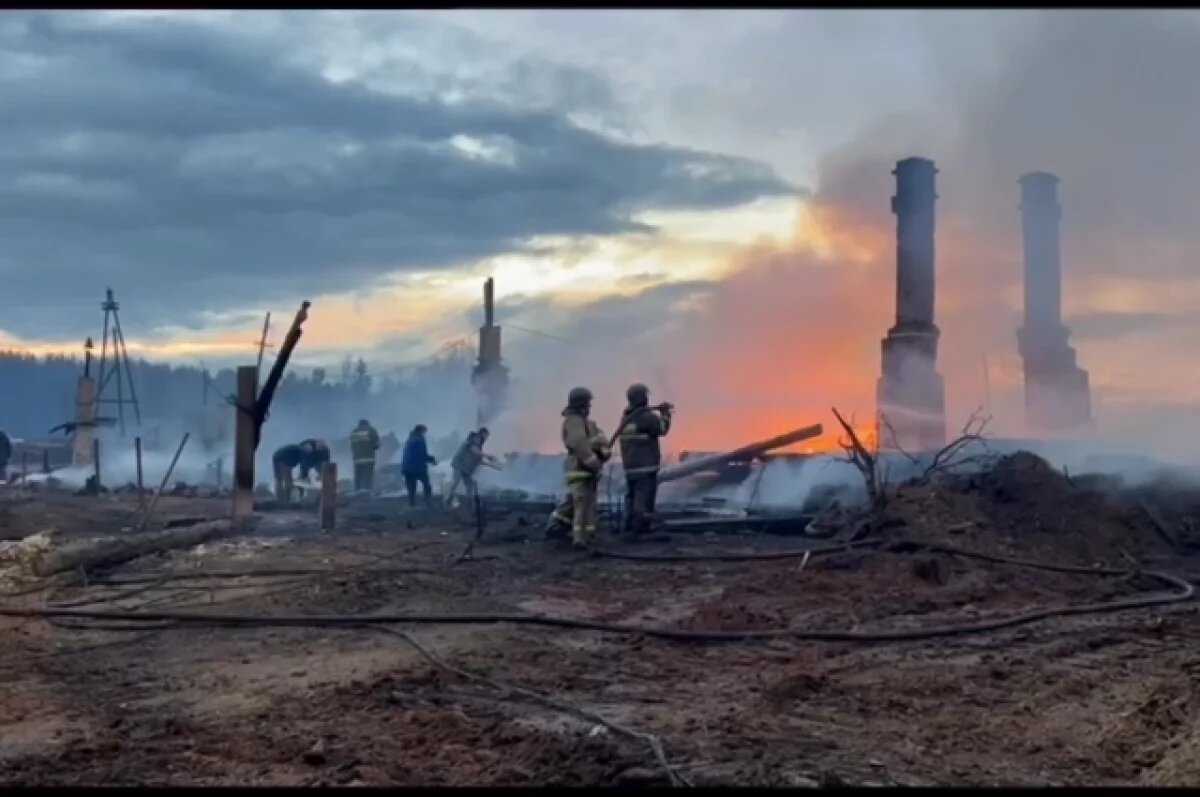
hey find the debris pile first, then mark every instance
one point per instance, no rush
(19, 558)
(1021, 506)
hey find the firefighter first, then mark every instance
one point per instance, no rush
(307, 455)
(466, 462)
(414, 465)
(638, 435)
(5, 454)
(364, 442)
(587, 451)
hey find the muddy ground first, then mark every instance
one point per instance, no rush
(1102, 699)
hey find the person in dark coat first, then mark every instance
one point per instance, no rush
(414, 465)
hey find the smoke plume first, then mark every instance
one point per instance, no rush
(1105, 100)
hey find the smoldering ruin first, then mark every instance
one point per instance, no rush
(924, 604)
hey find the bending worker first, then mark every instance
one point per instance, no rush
(638, 434)
(364, 443)
(414, 465)
(587, 451)
(308, 455)
(466, 462)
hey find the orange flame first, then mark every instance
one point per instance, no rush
(794, 330)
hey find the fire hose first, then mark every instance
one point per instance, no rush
(1182, 591)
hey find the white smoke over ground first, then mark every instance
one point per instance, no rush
(118, 467)
(536, 474)
(784, 483)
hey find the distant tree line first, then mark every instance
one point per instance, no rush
(38, 393)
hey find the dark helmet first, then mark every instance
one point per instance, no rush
(483, 431)
(638, 394)
(579, 397)
(420, 428)
(363, 422)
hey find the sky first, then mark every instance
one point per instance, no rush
(697, 199)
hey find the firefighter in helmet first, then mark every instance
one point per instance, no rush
(587, 451)
(641, 456)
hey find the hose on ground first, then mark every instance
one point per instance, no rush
(1183, 591)
(733, 556)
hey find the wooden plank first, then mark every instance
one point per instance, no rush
(328, 496)
(743, 454)
(245, 441)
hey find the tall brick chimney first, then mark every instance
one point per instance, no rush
(490, 375)
(910, 391)
(1057, 393)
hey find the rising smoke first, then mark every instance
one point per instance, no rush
(1104, 100)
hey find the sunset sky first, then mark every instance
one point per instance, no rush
(697, 199)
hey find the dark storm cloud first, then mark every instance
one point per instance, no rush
(197, 168)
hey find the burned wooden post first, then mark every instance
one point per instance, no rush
(96, 463)
(137, 453)
(263, 406)
(262, 344)
(328, 505)
(478, 517)
(24, 467)
(46, 460)
(245, 441)
(252, 408)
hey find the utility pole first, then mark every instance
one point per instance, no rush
(117, 366)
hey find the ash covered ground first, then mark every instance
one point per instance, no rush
(1104, 698)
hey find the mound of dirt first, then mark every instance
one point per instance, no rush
(1023, 507)
(1156, 736)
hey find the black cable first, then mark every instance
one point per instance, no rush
(738, 557)
(1184, 592)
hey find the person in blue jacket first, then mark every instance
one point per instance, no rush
(415, 465)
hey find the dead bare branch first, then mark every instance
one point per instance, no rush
(877, 470)
(895, 438)
(949, 456)
(866, 462)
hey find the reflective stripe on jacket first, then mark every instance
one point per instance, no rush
(581, 437)
(638, 436)
(364, 441)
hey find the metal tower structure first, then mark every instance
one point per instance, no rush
(115, 368)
